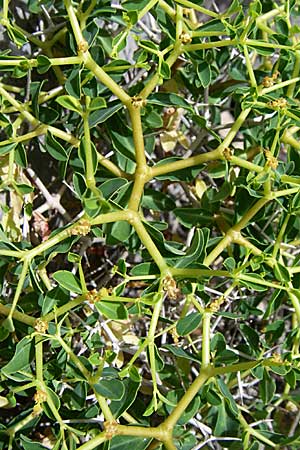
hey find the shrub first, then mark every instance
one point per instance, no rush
(150, 200)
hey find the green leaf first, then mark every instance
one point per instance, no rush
(54, 297)
(112, 389)
(225, 425)
(110, 187)
(174, 396)
(101, 115)
(180, 353)
(261, 50)
(133, 5)
(16, 35)
(68, 281)
(43, 64)
(153, 119)
(218, 343)
(190, 217)
(121, 230)
(72, 84)
(204, 73)
(296, 202)
(112, 310)
(146, 268)
(97, 103)
(230, 264)
(69, 102)
(28, 444)
(123, 144)
(131, 387)
(6, 148)
(165, 71)
(127, 442)
(48, 115)
(267, 388)
(23, 188)
(281, 273)
(20, 156)
(273, 331)
(55, 400)
(157, 201)
(21, 359)
(168, 99)
(254, 281)
(55, 149)
(151, 298)
(188, 324)
(228, 397)
(196, 251)
(291, 378)
(251, 337)
(212, 25)
(35, 89)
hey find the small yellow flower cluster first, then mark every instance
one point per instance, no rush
(276, 357)
(40, 396)
(215, 305)
(185, 38)
(170, 287)
(227, 152)
(270, 81)
(138, 102)
(110, 428)
(83, 46)
(41, 326)
(271, 160)
(82, 228)
(175, 336)
(94, 296)
(279, 103)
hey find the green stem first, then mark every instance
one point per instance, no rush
(106, 80)
(74, 22)
(19, 288)
(296, 304)
(39, 358)
(233, 233)
(189, 395)
(167, 8)
(5, 12)
(241, 162)
(256, 43)
(206, 340)
(207, 45)
(21, 317)
(184, 163)
(152, 82)
(149, 244)
(249, 67)
(197, 273)
(151, 347)
(64, 308)
(280, 85)
(146, 8)
(94, 442)
(89, 166)
(196, 7)
(280, 236)
(179, 22)
(296, 70)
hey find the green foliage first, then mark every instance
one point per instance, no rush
(150, 227)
